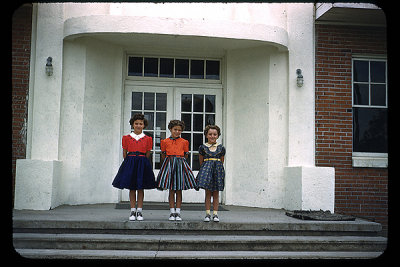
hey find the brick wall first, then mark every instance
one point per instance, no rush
(21, 49)
(362, 192)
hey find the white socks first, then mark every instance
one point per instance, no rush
(178, 210)
(138, 209)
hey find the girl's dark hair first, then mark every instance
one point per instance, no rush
(174, 123)
(215, 127)
(140, 117)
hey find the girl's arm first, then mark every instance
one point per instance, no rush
(148, 154)
(222, 159)
(201, 159)
(124, 153)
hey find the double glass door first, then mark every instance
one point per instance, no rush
(197, 107)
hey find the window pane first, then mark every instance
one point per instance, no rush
(182, 68)
(187, 119)
(198, 103)
(378, 71)
(149, 101)
(212, 69)
(360, 71)
(161, 104)
(198, 122)
(370, 130)
(157, 160)
(378, 94)
(210, 103)
(187, 137)
(197, 141)
(150, 67)
(210, 119)
(167, 67)
(150, 118)
(196, 163)
(148, 133)
(186, 103)
(136, 100)
(135, 66)
(158, 136)
(197, 69)
(161, 118)
(361, 94)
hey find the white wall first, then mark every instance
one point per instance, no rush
(75, 115)
(247, 126)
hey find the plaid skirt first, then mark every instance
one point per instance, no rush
(175, 174)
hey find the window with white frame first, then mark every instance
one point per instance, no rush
(370, 101)
(181, 68)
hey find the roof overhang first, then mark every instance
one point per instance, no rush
(350, 14)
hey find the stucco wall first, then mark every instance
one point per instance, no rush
(76, 113)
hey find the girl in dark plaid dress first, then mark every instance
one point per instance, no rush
(212, 174)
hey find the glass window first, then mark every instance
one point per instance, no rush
(197, 69)
(212, 69)
(154, 107)
(196, 117)
(167, 67)
(370, 130)
(182, 68)
(135, 66)
(174, 68)
(369, 106)
(150, 67)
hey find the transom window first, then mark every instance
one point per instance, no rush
(370, 105)
(196, 69)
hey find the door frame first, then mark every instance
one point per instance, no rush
(174, 91)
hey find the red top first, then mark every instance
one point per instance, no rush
(176, 147)
(143, 145)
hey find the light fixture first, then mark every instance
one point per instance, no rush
(300, 79)
(49, 66)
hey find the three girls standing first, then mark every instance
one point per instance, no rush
(136, 174)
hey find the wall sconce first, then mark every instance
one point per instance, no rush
(300, 79)
(49, 66)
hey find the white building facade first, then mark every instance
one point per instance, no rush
(232, 64)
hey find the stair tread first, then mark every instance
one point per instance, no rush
(152, 254)
(197, 238)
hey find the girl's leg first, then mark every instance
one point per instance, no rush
(207, 200)
(215, 195)
(178, 199)
(140, 198)
(132, 198)
(171, 199)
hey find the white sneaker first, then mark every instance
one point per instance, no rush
(207, 218)
(178, 217)
(132, 217)
(172, 217)
(139, 216)
(215, 218)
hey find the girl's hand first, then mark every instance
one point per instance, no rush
(124, 153)
(201, 159)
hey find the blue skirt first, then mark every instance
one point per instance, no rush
(175, 174)
(135, 173)
(211, 176)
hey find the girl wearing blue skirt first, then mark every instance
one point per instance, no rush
(175, 173)
(211, 174)
(136, 172)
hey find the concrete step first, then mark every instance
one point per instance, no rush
(153, 254)
(197, 242)
(297, 228)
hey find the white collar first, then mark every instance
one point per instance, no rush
(210, 145)
(137, 136)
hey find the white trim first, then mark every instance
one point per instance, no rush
(370, 160)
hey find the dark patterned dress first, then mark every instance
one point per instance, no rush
(212, 174)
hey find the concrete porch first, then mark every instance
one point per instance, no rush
(102, 231)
